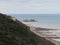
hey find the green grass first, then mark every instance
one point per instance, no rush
(17, 33)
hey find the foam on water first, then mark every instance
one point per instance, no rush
(35, 24)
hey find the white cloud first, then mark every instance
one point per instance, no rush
(30, 6)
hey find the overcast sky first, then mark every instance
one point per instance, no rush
(30, 6)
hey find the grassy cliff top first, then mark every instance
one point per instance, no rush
(17, 33)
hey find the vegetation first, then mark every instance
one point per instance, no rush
(17, 33)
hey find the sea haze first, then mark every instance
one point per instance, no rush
(43, 20)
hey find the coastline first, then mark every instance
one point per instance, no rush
(35, 24)
(44, 36)
(35, 29)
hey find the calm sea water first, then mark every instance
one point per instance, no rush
(44, 20)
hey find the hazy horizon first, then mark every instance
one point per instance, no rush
(30, 6)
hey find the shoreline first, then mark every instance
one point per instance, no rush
(41, 35)
(34, 24)
(34, 29)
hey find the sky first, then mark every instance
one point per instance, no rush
(30, 6)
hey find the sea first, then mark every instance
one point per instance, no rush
(42, 20)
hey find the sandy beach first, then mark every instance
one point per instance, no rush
(50, 34)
